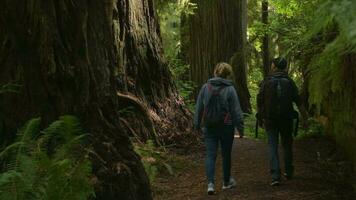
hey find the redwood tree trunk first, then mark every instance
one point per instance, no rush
(217, 33)
(71, 57)
(338, 108)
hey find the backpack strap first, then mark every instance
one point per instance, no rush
(210, 89)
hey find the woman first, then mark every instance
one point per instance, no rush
(218, 113)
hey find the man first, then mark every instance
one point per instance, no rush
(275, 107)
(218, 113)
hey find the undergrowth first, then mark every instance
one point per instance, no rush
(170, 14)
(338, 19)
(47, 164)
(155, 159)
(10, 87)
(315, 129)
(250, 128)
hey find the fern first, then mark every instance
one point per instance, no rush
(10, 87)
(154, 159)
(338, 18)
(42, 164)
(25, 136)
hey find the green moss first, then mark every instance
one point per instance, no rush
(339, 107)
(330, 91)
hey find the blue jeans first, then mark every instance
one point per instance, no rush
(285, 131)
(212, 137)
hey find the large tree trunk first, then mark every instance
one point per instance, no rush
(217, 33)
(338, 108)
(71, 57)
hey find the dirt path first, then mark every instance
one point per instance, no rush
(320, 174)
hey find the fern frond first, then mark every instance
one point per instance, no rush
(51, 131)
(71, 127)
(61, 131)
(29, 130)
(10, 148)
(10, 87)
(25, 136)
(36, 173)
(66, 148)
(7, 177)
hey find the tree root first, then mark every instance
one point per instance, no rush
(147, 122)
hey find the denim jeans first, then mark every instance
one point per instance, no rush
(286, 132)
(212, 138)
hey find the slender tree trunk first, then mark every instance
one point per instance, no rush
(265, 40)
(71, 57)
(217, 33)
(239, 60)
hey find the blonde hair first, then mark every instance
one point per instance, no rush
(223, 70)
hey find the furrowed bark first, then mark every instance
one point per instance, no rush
(71, 57)
(217, 33)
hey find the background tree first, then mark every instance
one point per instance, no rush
(265, 40)
(71, 57)
(217, 33)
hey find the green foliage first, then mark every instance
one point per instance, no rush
(170, 14)
(250, 127)
(185, 87)
(335, 27)
(255, 77)
(314, 35)
(10, 87)
(289, 23)
(154, 159)
(47, 164)
(315, 129)
(342, 13)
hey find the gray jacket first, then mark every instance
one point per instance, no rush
(228, 93)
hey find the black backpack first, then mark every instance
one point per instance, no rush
(278, 98)
(216, 108)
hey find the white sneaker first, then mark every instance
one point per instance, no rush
(232, 183)
(211, 190)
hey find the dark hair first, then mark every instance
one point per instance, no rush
(280, 63)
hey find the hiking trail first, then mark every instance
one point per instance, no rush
(320, 173)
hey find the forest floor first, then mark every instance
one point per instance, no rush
(321, 172)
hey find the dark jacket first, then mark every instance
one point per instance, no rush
(229, 94)
(263, 109)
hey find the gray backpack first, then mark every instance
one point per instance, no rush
(216, 109)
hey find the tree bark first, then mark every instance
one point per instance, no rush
(239, 60)
(338, 108)
(265, 40)
(217, 33)
(71, 57)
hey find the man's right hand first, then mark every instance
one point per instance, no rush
(261, 123)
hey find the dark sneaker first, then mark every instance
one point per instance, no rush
(211, 190)
(288, 176)
(231, 184)
(275, 182)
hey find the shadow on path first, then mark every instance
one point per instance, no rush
(320, 173)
